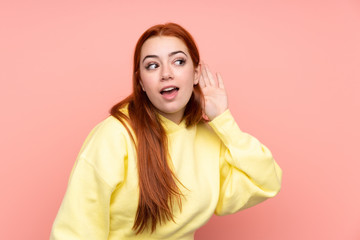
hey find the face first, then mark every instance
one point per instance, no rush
(167, 75)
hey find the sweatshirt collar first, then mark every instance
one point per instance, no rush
(170, 126)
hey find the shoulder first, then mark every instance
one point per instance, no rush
(204, 130)
(106, 148)
(108, 135)
(109, 127)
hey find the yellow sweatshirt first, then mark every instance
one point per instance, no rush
(223, 169)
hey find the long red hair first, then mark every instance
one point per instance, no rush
(157, 182)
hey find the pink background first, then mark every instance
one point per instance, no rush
(291, 69)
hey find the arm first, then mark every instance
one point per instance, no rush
(99, 169)
(84, 212)
(248, 172)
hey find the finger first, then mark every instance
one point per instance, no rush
(205, 75)
(220, 80)
(201, 82)
(212, 80)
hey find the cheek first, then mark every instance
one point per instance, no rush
(190, 77)
(186, 75)
(145, 81)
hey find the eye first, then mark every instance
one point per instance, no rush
(151, 66)
(180, 62)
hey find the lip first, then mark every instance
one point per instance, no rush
(170, 86)
(172, 95)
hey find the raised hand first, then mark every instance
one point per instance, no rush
(214, 93)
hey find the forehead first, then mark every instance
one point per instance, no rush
(162, 45)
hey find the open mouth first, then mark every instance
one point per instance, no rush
(169, 90)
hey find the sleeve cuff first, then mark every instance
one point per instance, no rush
(226, 127)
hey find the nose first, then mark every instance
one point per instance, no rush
(166, 72)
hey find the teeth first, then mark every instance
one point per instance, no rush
(168, 89)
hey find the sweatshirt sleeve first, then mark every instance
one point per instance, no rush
(248, 172)
(85, 209)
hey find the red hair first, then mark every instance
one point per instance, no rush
(157, 182)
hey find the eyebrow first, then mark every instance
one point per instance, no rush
(170, 54)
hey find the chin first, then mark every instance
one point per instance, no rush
(172, 110)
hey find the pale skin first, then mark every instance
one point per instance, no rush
(216, 101)
(165, 62)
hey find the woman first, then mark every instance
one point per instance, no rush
(169, 156)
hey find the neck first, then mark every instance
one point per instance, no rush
(174, 117)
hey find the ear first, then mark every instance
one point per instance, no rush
(142, 85)
(197, 74)
(137, 75)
